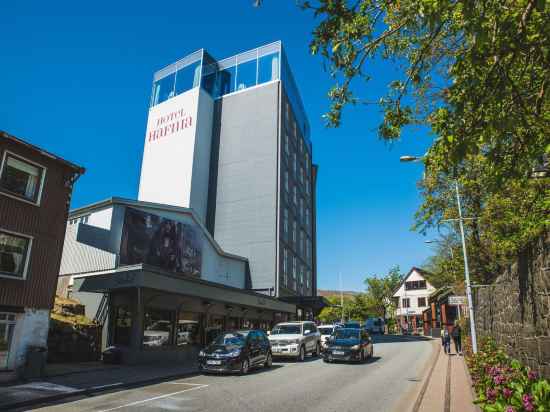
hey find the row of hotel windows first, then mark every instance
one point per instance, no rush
(302, 245)
(23, 180)
(295, 275)
(406, 302)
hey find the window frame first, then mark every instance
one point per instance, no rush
(6, 275)
(423, 301)
(403, 300)
(8, 193)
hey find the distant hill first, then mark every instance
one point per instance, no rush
(347, 293)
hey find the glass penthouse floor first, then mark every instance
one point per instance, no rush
(230, 75)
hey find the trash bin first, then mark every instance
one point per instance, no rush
(35, 362)
(112, 355)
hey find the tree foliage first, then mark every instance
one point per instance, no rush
(477, 73)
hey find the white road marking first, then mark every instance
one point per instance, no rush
(155, 398)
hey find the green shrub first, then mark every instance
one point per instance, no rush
(504, 384)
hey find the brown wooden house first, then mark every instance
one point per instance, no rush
(35, 192)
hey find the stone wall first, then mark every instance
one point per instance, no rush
(515, 310)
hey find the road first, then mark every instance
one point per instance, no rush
(379, 385)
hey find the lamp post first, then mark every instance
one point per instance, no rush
(465, 254)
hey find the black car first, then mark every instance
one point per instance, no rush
(348, 344)
(236, 351)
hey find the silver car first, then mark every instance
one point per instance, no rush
(295, 339)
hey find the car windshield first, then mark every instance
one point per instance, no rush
(230, 338)
(327, 330)
(286, 330)
(347, 334)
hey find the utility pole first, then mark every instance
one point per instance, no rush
(341, 297)
(466, 272)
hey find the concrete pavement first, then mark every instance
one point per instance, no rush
(395, 373)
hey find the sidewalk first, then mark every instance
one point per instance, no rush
(87, 381)
(447, 388)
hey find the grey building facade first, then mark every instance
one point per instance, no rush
(261, 190)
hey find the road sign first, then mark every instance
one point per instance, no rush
(457, 300)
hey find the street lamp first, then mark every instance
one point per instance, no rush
(463, 238)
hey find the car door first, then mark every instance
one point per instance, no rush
(310, 336)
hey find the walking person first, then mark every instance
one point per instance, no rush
(446, 340)
(457, 338)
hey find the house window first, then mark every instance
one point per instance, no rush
(415, 285)
(21, 178)
(14, 253)
(7, 327)
(406, 303)
(421, 302)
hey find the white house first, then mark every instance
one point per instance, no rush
(412, 298)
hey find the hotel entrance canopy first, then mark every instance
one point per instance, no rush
(150, 277)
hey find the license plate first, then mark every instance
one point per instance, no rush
(338, 352)
(213, 362)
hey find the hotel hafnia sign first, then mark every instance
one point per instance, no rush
(168, 124)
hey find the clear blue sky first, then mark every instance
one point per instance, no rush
(76, 77)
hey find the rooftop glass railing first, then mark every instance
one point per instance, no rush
(233, 74)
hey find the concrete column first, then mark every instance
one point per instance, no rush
(137, 321)
(443, 315)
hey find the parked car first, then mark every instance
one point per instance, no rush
(295, 339)
(349, 345)
(326, 331)
(352, 324)
(236, 351)
(157, 334)
(375, 325)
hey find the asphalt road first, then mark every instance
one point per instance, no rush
(379, 385)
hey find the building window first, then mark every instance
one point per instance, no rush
(294, 264)
(122, 325)
(301, 146)
(294, 164)
(421, 302)
(287, 149)
(302, 175)
(285, 223)
(295, 195)
(301, 276)
(21, 178)
(14, 254)
(286, 181)
(308, 279)
(294, 232)
(301, 209)
(415, 285)
(307, 186)
(158, 328)
(308, 251)
(7, 326)
(285, 265)
(301, 245)
(307, 218)
(406, 303)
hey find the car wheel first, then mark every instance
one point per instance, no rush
(268, 360)
(317, 350)
(302, 354)
(245, 366)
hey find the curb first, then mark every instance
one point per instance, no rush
(474, 394)
(94, 390)
(418, 402)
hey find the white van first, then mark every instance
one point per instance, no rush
(375, 325)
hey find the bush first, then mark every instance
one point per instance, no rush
(503, 384)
